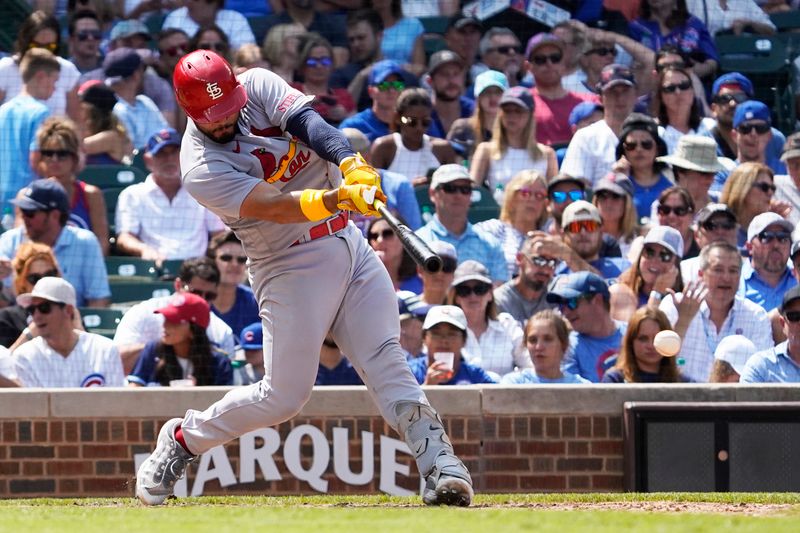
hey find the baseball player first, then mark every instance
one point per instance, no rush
(311, 270)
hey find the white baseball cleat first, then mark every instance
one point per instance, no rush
(157, 475)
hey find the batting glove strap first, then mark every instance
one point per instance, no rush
(357, 171)
(312, 205)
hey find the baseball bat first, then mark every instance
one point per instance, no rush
(416, 247)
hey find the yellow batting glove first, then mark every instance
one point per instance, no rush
(356, 170)
(359, 197)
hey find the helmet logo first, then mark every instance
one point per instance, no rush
(213, 90)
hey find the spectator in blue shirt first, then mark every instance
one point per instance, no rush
(234, 302)
(444, 335)
(769, 239)
(384, 86)
(334, 367)
(780, 364)
(250, 369)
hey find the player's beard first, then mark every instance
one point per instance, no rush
(223, 138)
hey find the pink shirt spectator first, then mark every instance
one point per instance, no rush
(552, 116)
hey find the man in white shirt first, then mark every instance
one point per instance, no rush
(62, 356)
(158, 219)
(709, 310)
(8, 374)
(140, 324)
(592, 150)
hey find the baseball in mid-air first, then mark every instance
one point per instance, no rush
(667, 343)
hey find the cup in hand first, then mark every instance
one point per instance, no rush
(181, 383)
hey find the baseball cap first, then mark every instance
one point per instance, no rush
(615, 74)
(120, 63)
(615, 182)
(788, 297)
(564, 178)
(252, 337)
(51, 289)
(459, 22)
(578, 211)
(447, 173)
(751, 110)
(43, 194)
(449, 314)
(471, 270)
(383, 69)
(791, 147)
(489, 78)
(735, 79)
(127, 28)
(569, 286)
(712, 209)
(542, 39)
(98, 94)
(461, 137)
(443, 248)
(165, 137)
(583, 111)
(518, 95)
(735, 350)
(412, 308)
(443, 57)
(185, 307)
(763, 221)
(668, 237)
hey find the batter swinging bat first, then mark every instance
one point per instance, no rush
(422, 255)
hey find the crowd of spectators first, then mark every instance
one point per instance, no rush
(636, 187)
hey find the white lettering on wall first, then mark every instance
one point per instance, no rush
(341, 457)
(222, 470)
(390, 467)
(319, 459)
(249, 455)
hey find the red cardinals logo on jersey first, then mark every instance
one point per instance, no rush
(284, 169)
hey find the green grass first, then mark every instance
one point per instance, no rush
(560, 513)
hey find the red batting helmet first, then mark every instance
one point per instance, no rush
(206, 87)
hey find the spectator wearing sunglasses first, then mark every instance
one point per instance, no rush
(676, 105)
(384, 85)
(436, 284)
(235, 303)
(397, 261)
(708, 310)
(583, 299)
(196, 13)
(767, 278)
(61, 355)
(694, 165)
(329, 25)
(613, 197)
(606, 47)
(779, 364)
(654, 271)
(316, 66)
(84, 41)
(671, 55)
(211, 37)
(450, 192)
(749, 191)
(788, 185)
(173, 43)
(526, 293)
(141, 325)
(501, 50)
(675, 208)
(715, 222)
(494, 339)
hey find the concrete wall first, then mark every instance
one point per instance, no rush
(543, 438)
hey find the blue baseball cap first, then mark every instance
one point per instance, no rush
(751, 110)
(383, 69)
(576, 284)
(489, 78)
(583, 111)
(251, 337)
(43, 194)
(412, 308)
(733, 78)
(120, 63)
(165, 137)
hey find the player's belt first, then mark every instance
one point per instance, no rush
(328, 227)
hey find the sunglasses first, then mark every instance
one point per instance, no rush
(85, 35)
(726, 99)
(385, 234)
(542, 261)
(782, 237)
(227, 258)
(760, 127)
(726, 225)
(30, 213)
(56, 154)
(527, 193)
(391, 86)
(680, 211)
(49, 46)
(34, 278)
(766, 188)
(606, 195)
(208, 296)
(449, 188)
(560, 197)
(217, 47)
(554, 59)
(573, 303)
(675, 87)
(633, 145)
(448, 265)
(590, 226)
(506, 50)
(414, 122)
(479, 289)
(319, 62)
(603, 51)
(665, 255)
(174, 51)
(44, 307)
(792, 316)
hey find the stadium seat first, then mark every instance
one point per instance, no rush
(109, 176)
(111, 196)
(138, 161)
(169, 269)
(127, 267)
(259, 25)
(136, 291)
(100, 320)
(786, 21)
(13, 13)
(435, 24)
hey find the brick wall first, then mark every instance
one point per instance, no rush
(59, 443)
